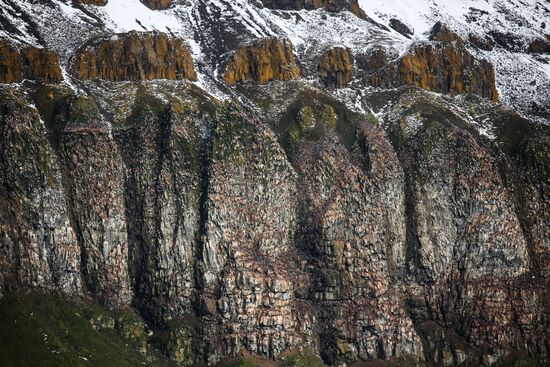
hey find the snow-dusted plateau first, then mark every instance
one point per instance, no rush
(274, 182)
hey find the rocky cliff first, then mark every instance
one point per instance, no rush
(134, 56)
(262, 61)
(225, 197)
(444, 68)
(334, 68)
(28, 63)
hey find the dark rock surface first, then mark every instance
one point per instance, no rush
(329, 5)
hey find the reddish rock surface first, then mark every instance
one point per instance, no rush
(444, 68)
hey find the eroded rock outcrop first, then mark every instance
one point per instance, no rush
(401, 27)
(157, 4)
(10, 63)
(28, 63)
(328, 5)
(262, 61)
(441, 33)
(41, 64)
(134, 56)
(444, 68)
(334, 68)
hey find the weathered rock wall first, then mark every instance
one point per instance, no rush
(334, 67)
(262, 61)
(329, 5)
(425, 241)
(443, 68)
(134, 56)
(28, 63)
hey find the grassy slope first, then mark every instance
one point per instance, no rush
(44, 330)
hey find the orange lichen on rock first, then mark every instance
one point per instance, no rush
(10, 63)
(135, 56)
(334, 68)
(262, 61)
(41, 64)
(443, 68)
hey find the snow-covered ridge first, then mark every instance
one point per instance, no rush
(213, 28)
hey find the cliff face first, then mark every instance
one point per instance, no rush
(134, 56)
(241, 239)
(444, 68)
(334, 68)
(29, 63)
(41, 64)
(10, 63)
(262, 61)
(270, 224)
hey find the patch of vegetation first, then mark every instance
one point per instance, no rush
(45, 330)
(518, 360)
(302, 359)
(306, 120)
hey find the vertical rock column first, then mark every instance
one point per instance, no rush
(356, 237)
(95, 179)
(38, 246)
(160, 144)
(248, 261)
